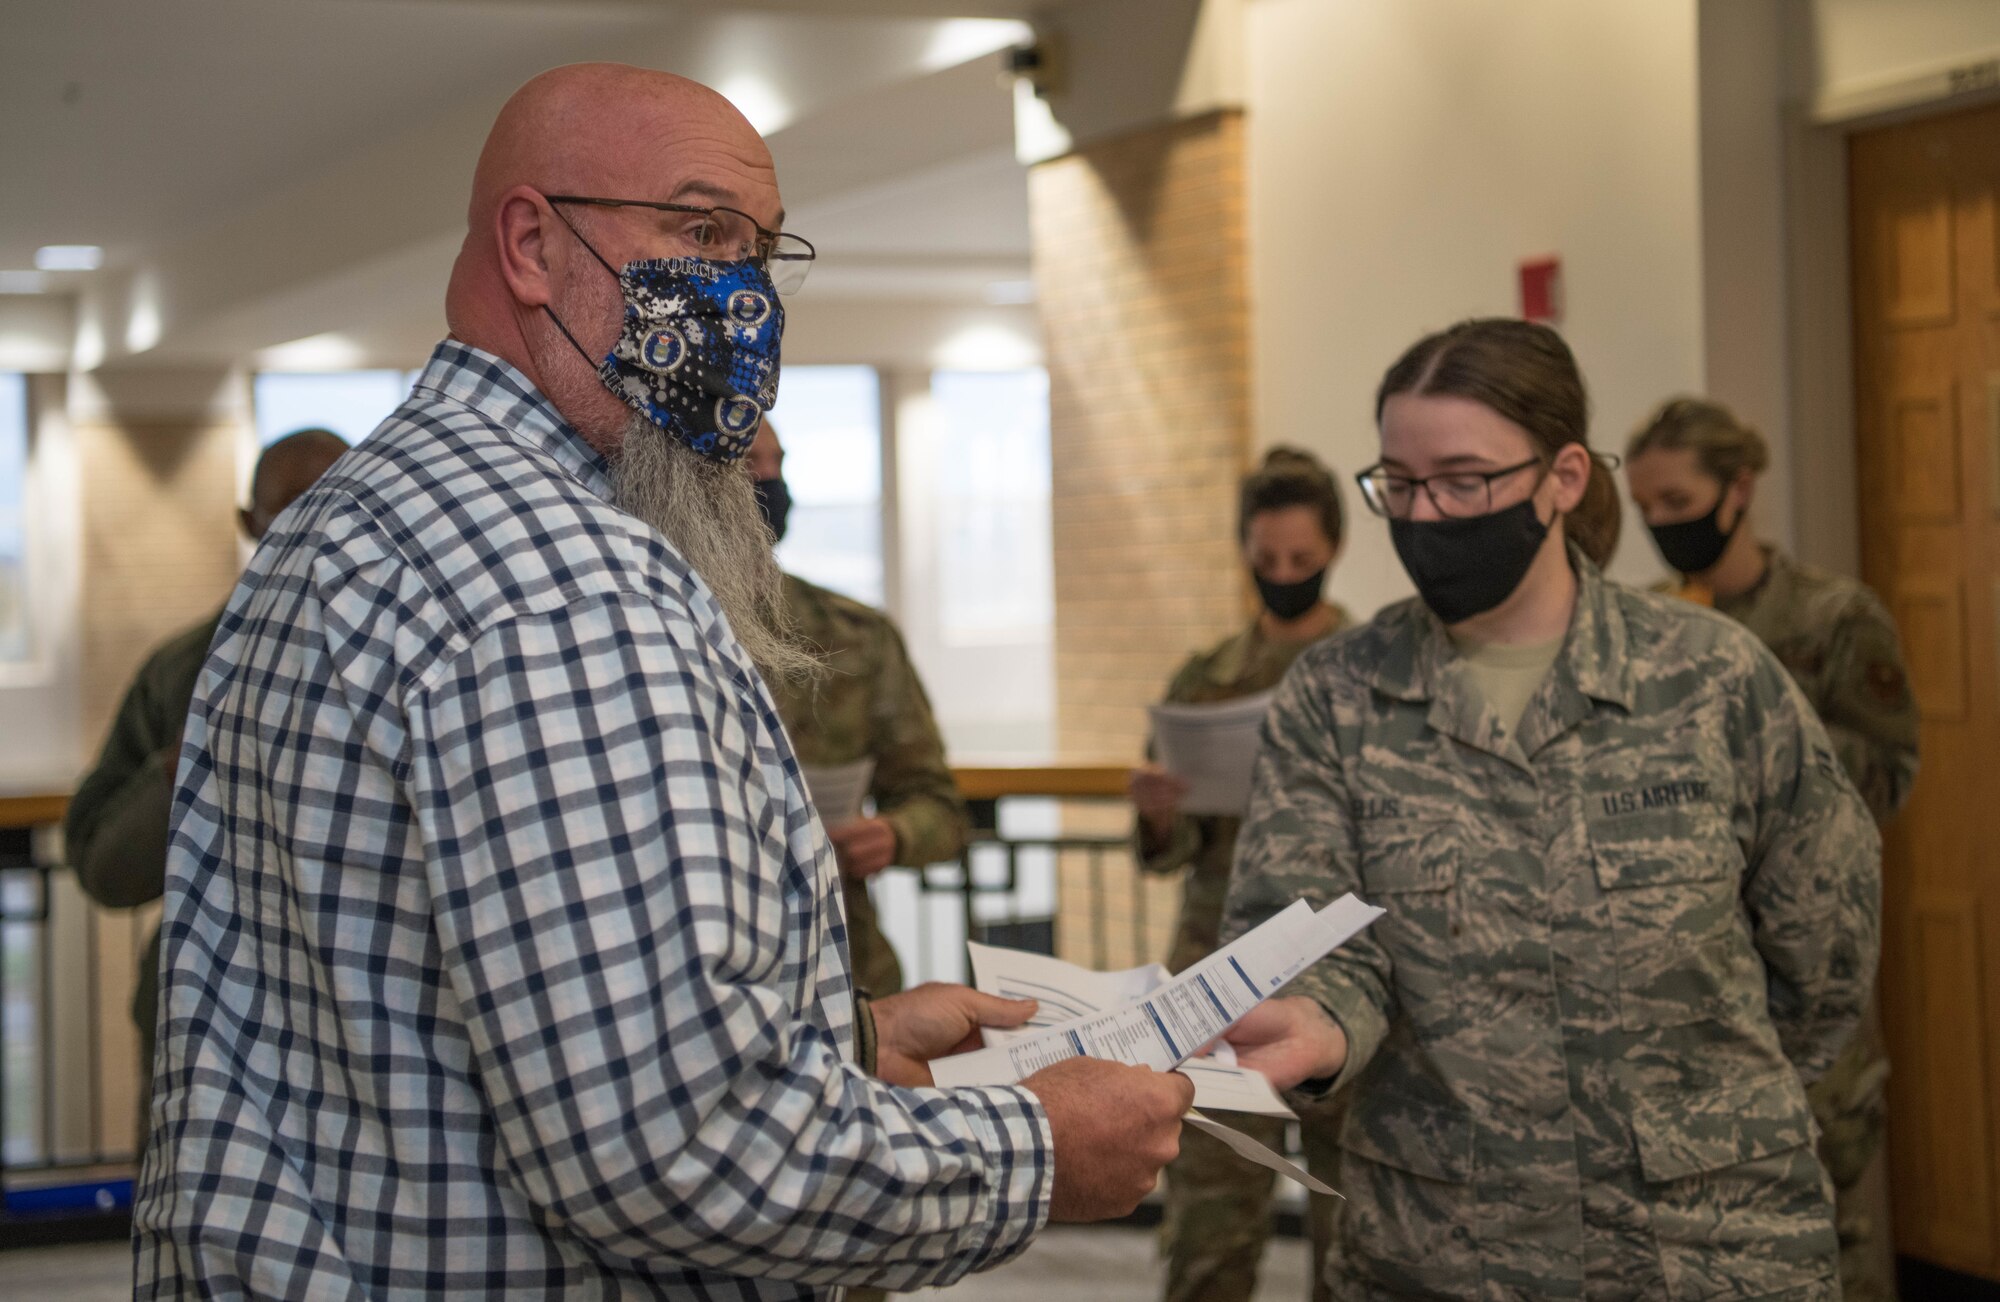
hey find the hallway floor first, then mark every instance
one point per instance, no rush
(1066, 1265)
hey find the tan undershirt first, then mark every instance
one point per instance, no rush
(1508, 676)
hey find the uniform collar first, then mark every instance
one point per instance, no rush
(1226, 666)
(809, 609)
(1231, 662)
(1419, 663)
(1598, 652)
(1779, 582)
(498, 391)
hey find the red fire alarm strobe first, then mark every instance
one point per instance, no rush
(1541, 290)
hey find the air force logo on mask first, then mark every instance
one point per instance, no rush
(748, 308)
(665, 349)
(737, 415)
(698, 355)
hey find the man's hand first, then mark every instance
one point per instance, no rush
(1289, 1040)
(1114, 1127)
(863, 847)
(933, 1021)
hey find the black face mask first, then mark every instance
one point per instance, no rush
(1694, 546)
(774, 499)
(1288, 601)
(1464, 568)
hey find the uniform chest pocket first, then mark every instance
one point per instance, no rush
(1672, 881)
(1411, 869)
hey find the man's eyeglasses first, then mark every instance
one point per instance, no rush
(1458, 495)
(728, 236)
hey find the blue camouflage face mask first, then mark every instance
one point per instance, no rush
(698, 354)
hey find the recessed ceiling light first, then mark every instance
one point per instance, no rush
(1008, 292)
(69, 257)
(331, 351)
(985, 348)
(757, 99)
(22, 282)
(961, 40)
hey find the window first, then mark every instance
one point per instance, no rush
(996, 568)
(978, 586)
(830, 420)
(14, 640)
(350, 403)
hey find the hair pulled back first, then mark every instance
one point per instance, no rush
(1723, 446)
(1526, 373)
(1290, 476)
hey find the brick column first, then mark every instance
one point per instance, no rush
(159, 544)
(1140, 270)
(158, 474)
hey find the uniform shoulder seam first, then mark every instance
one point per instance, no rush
(850, 607)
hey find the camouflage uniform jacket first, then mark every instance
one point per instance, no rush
(115, 831)
(869, 705)
(1242, 664)
(1841, 648)
(1617, 944)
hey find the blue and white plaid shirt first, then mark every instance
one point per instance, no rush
(502, 949)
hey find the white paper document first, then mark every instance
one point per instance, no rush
(1168, 1025)
(837, 790)
(1213, 748)
(1249, 1149)
(1160, 1023)
(1067, 992)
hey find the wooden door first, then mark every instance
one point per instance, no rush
(1927, 371)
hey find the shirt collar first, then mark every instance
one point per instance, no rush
(1598, 652)
(1233, 660)
(1775, 586)
(1416, 662)
(498, 391)
(1226, 667)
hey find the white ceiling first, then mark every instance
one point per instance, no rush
(262, 170)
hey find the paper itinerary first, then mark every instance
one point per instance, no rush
(1144, 1018)
(1066, 992)
(1213, 747)
(837, 790)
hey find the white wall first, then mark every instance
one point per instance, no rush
(1862, 49)
(1404, 157)
(1745, 79)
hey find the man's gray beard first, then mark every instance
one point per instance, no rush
(708, 511)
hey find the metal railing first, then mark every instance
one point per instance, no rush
(69, 1079)
(1049, 868)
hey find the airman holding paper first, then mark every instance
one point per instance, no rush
(1629, 918)
(867, 705)
(1218, 1213)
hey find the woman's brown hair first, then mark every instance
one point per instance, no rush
(1526, 373)
(1291, 477)
(1724, 447)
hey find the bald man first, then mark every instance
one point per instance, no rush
(115, 832)
(503, 951)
